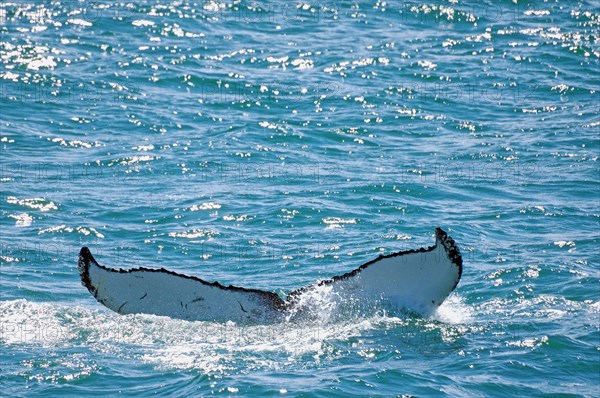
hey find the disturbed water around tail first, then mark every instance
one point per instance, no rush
(272, 145)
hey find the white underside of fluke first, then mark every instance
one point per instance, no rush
(417, 279)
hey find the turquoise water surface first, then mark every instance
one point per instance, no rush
(273, 144)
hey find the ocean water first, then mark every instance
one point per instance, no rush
(273, 144)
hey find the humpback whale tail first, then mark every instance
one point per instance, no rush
(416, 279)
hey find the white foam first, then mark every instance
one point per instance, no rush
(176, 344)
(454, 310)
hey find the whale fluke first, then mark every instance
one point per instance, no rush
(416, 279)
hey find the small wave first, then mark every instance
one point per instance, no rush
(89, 231)
(337, 222)
(63, 228)
(194, 233)
(40, 204)
(80, 22)
(206, 206)
(563, 243)
(232, 217)
(137, 159)
(142, 22)
(22, 219)
(75, 143)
